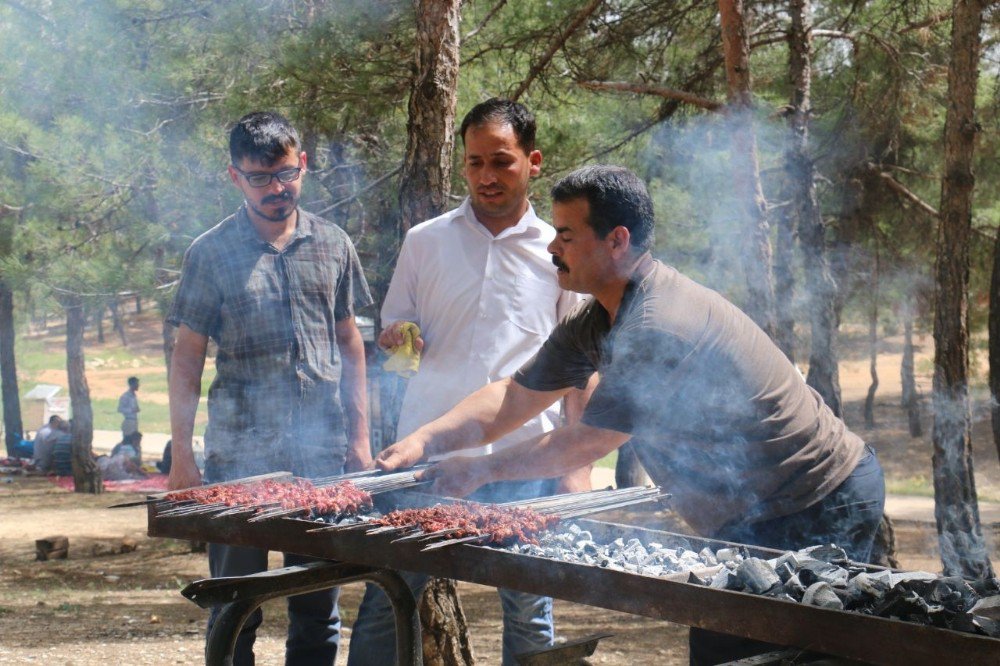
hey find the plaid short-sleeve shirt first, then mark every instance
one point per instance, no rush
(275, 400)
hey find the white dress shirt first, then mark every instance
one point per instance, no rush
(484, 306)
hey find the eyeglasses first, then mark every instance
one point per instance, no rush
(258, 179)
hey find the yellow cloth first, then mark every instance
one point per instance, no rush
(405, 359)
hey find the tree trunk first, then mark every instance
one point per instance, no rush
(116, 321)
(872, 357)
(425, 183)
(823, 371)
(756, 250)
(13, 426)
(99, 323)
(994, 343)
(956, 507)
(908, 379)
(445, 629)
(86, 474)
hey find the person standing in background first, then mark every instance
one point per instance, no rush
(128, 407)
(482, 289)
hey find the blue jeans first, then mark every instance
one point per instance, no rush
(313, 618)
(527, 618)
(848, 517)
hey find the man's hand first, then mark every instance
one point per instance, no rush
(458, 476)
(391, 337)
(401, 455)
(359, 457)
(183, 475)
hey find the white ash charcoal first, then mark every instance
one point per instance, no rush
(821, 594)
(584, 535)
(827, 553)
(786, 563)
(813, 571)
(574, 529)
(794, 587)
(707, 557)
(588, 547)
(618, 543)
(865, 587)
(725, 580)
(656, 546)
(894, 578)
(728, 555)
(757, 575)
(654, 570)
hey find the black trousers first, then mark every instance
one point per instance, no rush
(848, 517)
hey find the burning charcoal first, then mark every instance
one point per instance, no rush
(863, 589)
(794, 587)
(987, 587)
(696, 580)
(725, 580)
(821, 594)
(894, 578)
(785, 571)
(588, 547)
(757, 575)
(707, 557)
(905, 605)
(814, 571)
(986, 625)
(828, 553)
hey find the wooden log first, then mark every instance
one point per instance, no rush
(51, 548)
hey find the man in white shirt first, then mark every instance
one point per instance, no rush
(481, 286)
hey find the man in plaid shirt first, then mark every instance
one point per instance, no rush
(275, 288)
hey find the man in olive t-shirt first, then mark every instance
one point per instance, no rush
(720, 417)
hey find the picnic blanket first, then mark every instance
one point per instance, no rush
(154, 483)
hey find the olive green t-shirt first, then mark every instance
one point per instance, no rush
(719, 416)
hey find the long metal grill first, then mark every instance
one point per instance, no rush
(679, 598)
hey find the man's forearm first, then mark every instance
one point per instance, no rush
(553, 454)
(354, 391)
(578, 479)
(485, 416)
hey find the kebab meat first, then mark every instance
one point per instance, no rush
(343, 498)
(495, 524)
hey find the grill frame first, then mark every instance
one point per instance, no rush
(841, 633)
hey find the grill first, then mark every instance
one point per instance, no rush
(374, 556)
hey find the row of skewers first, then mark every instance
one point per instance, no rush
(346, 502)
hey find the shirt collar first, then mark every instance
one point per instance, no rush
(248, 233)
(529, 224)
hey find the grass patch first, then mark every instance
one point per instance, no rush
(919, 486)
(609, 461)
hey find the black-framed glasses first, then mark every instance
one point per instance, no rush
(259, 179)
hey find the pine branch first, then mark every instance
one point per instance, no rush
(643, 89)
(901, 190)
(556, 44)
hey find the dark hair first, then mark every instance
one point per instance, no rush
(503, 111)
(617, 197)
(262, 136)
(132, 380)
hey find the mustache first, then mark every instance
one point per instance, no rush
(559, 264)
(277, 198)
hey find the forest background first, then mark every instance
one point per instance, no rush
(825, 165)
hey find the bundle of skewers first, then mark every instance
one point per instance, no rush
(279, 495)
(445, 525)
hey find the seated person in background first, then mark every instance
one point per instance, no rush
(44, 440)
(164, 465)
(62, 449)
(120, 466)
(130, 446)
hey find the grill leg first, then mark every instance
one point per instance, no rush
(240, 596)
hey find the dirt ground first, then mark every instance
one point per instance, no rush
(103, 606)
